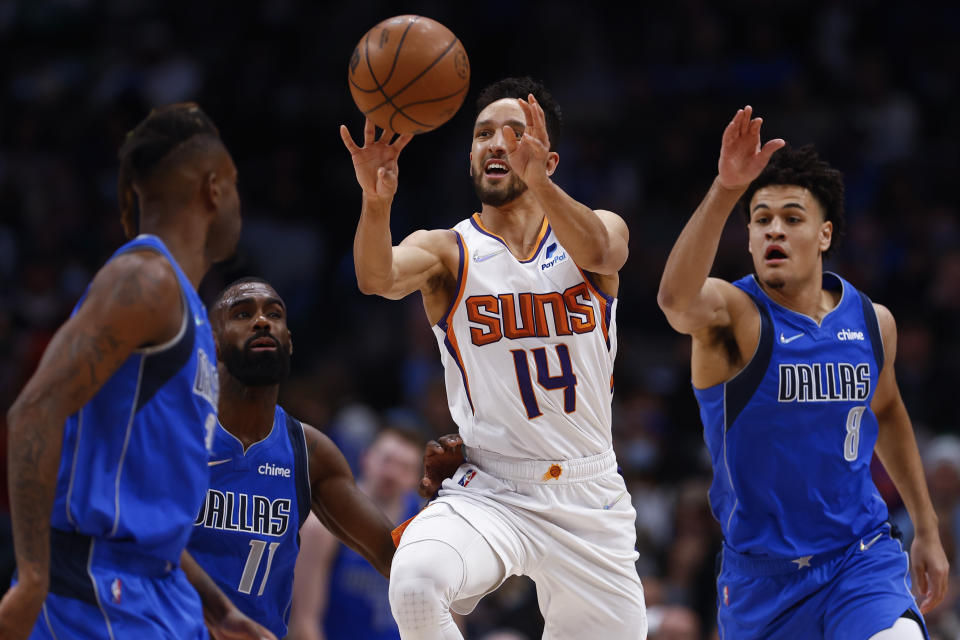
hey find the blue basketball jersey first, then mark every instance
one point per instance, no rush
(247, 533)
(358, 605)
(133, 464)
(791, 436)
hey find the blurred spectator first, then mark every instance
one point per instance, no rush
(337, 594)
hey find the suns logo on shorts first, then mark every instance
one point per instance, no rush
(467, 477)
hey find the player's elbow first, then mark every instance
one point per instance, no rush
(372, 285)
(666, 300)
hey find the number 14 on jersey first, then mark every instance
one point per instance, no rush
(565, 380)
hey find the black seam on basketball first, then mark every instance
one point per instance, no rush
(396, 56)
(411, 104)
(389, 99)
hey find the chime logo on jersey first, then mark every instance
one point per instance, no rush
(848, 334)
(824, 382)
(496, 317)
(229, 511)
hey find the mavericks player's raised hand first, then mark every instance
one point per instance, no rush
(741, 156)
(376, 161)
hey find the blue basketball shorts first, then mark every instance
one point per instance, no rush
(847, 594)
(100, 595)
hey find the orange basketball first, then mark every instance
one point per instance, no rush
(409, 74)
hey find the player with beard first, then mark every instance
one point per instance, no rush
(793, 369)
(522, 301)
(268, 471)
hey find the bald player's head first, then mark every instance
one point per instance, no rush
(172, 161)
(249, 322)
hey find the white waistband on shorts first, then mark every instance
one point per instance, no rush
(527, 470)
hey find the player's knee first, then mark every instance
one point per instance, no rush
(424, 579)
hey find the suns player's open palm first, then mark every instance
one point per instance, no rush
(376, 161)
(527, 151)
(741, 156)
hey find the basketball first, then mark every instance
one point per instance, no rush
(409, 74)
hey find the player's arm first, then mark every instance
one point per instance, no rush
(693, 302)
(311, 582)
(596, 240)
(223, 619)
(383, 269)
(342, 508)
(897, 449)
(133, 301)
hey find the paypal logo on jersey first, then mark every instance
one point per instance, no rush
(552, 249)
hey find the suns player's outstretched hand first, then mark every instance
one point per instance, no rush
(930, 569)
(528, 153)
(741, 156)
(376, 161)
(441, 458)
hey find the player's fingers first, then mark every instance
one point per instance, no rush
(450, 440)
(745, 120)
(369, 132)
(402, 141)
(510, 139)
(348, 139)
(771, 147)
(733, 128)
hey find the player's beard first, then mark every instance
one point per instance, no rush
(257, 368)
(497, 197)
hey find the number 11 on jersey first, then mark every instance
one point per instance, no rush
(566, 380)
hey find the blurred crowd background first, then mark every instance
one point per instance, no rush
(646, 90)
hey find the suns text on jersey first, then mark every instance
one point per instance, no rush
(526, 315)
(824, 382)
(229, 511)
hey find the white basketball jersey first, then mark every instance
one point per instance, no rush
(528, 348)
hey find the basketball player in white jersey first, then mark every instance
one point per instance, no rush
(522, 299)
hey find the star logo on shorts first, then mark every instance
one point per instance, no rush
(803, 562)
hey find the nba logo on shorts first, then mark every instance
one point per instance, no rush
(116, 590)
(726, 595)
(467, 477)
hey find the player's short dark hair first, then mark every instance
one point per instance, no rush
(236, 283)
(521, 88)
(803, 167)
(161, 134)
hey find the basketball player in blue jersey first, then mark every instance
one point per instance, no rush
(268, 470)
(522, 299)
(794, 372)
(108, 440)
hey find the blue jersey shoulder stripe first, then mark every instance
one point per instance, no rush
(301, 466)
(739, 390)
(873, 327)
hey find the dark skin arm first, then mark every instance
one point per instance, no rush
(223, 619)
(342, 508)
(134, 301)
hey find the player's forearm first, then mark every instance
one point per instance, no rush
(373, 247)
(692, 256)
(35, 437)
(215, 603)
(897, 449)
(577, 227)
